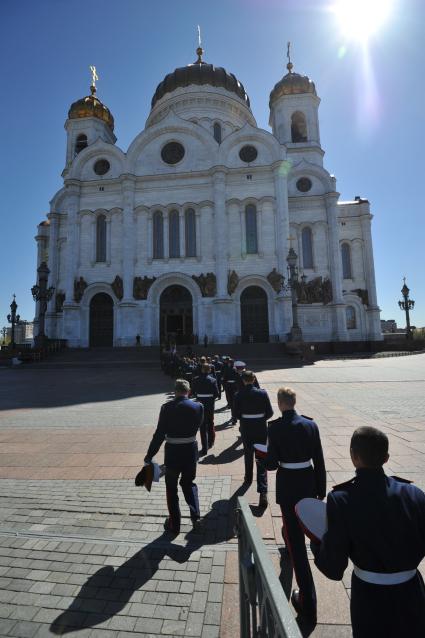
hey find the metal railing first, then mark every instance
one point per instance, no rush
(264, 609)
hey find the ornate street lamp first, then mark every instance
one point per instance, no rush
(42, 294)
(13, 319)
(406, 305)
(296, 332)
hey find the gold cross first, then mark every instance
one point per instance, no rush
(94, 76)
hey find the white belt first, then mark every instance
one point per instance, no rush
(296, 466)
(204, 396)
(253, 416)
(375, 578)
(178, 441)
(231, 381)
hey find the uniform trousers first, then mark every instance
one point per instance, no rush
(181, 464)
(229, 389)
(207, 430)
(249, 454)
(388, 611)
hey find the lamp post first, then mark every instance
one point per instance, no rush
(42, 294)
(406, 305)
(13, 319)
(296, 332)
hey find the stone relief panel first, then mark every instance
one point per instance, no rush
(118, 287)
(79, 287)
(207, 284)
(317, 290)
(141, 286)
(232, 282)
(276, 280)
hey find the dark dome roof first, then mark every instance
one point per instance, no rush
(200, 73)
(292, 84)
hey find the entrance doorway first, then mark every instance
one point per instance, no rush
(101, 321)
(254, 315)
(176, 316)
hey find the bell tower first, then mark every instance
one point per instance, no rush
(88, 120)
(294, 118)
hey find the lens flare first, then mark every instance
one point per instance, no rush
(360, 19)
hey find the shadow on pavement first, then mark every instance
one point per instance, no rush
(91, 607)
(228, 455)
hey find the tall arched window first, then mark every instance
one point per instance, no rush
(307, 246)
(80, 143)
(346, 261)
(350, 317)
(298, 127)
(158, 235)
(174, 234)
(217, 132)
(190, 232)
(251, 229)
(101, 238)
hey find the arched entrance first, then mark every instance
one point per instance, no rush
(176, 315)
(101, 320)
(254, 315)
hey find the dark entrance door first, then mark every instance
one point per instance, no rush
(176, 315)
(254, 315)
(101, 320)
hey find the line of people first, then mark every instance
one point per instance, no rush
(375, 520)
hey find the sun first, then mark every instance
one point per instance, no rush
(360, 19)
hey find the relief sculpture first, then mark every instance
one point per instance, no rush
(363, 294)
(141, 286)
(318, 290)
(232, 282)
(79, 287)
(276, 280)
(207, 283)
(59, 301)
(118, 287)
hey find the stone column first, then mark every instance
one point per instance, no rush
(53, 267)
(166, 228)
(373, 311)
(198, 234)
(149, 238)
(73, 202)
(282, 216)
(127, 315)
(335, 267)
(222, 313)
(182, 234)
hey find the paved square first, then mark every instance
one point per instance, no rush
(82, 550)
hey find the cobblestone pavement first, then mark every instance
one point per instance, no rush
(87, 555)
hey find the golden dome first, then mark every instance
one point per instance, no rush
(91, 106)
(292, 84)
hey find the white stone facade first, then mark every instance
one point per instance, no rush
(213, 181)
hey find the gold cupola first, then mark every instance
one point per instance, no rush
(91, 106)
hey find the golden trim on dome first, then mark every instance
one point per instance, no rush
(91, 106)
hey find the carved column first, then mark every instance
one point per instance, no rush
(73, 201)
(282, 216)
(53, 259)
(128, 237)
(373, 311)
(182, 234)
(166, 219)
(220, 231)
(149, 238)
(198, 235)
(335, 267)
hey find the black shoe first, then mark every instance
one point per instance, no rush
(203, 452)
(263, 502)
(234, 422)
(307, 611)
(197, 525)
(169, 528)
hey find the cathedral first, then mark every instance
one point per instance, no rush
(187, 233)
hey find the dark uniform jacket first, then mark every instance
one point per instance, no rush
(294, 438)
(179, 418)
(205, 384)
(240, 384)
(377, 521)
(230, 374)
(252, 400)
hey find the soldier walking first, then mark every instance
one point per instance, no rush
(204, 387)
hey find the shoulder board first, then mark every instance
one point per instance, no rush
(344, 485)
(401, 480)
(310, 418)
(274, 421)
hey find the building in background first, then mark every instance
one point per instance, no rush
(187, 232)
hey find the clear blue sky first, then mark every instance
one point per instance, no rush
(371, 115)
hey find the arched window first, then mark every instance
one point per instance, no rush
(190, 232)
(346, 261)
(307, 246)
(101, 238)
(174, 234)
(251, 229)
(158, 235)
(350, 317)
(217, 132)
(80, 143)
(298, 127)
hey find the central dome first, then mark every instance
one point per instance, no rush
(200, 73)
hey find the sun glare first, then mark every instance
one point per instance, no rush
(360, 19)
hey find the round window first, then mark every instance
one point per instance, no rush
(172, 153)
(101, 167)
(304, 184)
(248, 154)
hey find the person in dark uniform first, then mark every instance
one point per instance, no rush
(378, 522)
(204, 387)
(178, 424)
(230, 379)
(295, 450)
(218, 367)
(253, 408)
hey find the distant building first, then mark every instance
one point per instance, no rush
(390, 325)
(24, 332)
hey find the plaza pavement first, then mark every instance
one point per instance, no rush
(82, 551)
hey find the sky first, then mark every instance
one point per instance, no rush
(371, 115)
